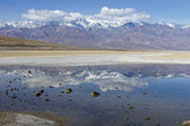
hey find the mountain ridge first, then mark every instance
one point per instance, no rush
(129, 36)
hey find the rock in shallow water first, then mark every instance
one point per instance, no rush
(39, 93)
(186, 123)
(95, 94)
(68, 90)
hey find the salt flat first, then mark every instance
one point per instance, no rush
(82, 58)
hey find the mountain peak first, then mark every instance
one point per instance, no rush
(167, 24)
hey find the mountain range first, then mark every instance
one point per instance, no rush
(128, 36)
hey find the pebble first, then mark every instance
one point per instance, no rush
(186, 123)
(68, 90)
(39, 93)
(95, 94)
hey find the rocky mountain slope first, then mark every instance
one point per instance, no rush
(16, 43)
(130, 36)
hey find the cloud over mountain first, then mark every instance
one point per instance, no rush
(109, 16)
(46, 15)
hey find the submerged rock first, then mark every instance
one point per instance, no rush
(147, 118)
(51, 86)
(95, 94)
(6, 92)
(39, 93)
(47, 100)
(186, 123)
(130, 107)
(68, 90)
(145, 93)
(29, 72)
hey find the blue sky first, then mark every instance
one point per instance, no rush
(173, 11)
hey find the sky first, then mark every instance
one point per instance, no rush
(173, 11)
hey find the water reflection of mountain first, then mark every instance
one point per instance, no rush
(103, 79)
(126, 77)
(132, 70)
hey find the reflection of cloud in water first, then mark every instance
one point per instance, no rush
(127, 84)
(105, 80)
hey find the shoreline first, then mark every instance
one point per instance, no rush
(83, 58)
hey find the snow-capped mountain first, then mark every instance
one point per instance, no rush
(186, 26)
(100, 34)
(84, 23)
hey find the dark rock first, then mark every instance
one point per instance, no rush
(68, 90)
(30, 72)
(39, 93)
(145, 93)
(6, 92)
(51, 87)
(130, 107)
(47, 100)
(14, 97)
(95, 94)
(147, 118)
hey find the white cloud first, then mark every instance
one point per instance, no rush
(105, 11)
(106, 16)
(46, 15)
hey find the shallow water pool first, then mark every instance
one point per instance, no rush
(130, 95)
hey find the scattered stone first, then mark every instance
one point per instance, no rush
(68, 90)
(51, 86)
(186, 123)
(130, 107)
(95, 94)
(39, 93)
(145, 93)
(126, 118)
(30, 72)
(47, 100)
(118, 96)
(177, 123)
(14, 97)
(147, 118)
(116, 88)
(6, 92)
